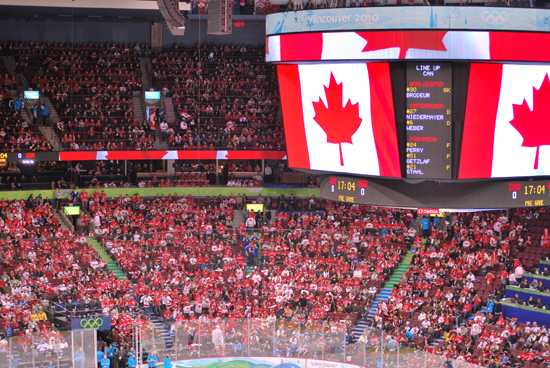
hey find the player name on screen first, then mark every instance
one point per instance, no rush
(428, 120)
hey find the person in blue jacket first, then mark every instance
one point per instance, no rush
(18, 104)
(13, 363)
(167, 362)
(105, 362)
(100, 355)
(425, 223)
(490, 306)
(111, 350)
(152, 360)
(237, 347)
(132, 361)
(79, 358)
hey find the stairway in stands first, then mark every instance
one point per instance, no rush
(384, 294)
(49, 131)
(113, 267)
(139, 110)
(111, 264)
(169, 111)
(145, 68)
(238, 217)
(22, 84)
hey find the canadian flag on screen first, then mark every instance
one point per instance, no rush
(339, 117)
(382, 45)
(507, 123)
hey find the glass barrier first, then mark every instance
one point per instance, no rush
(21, 350)
(219, 338)
(293, 338)
(84, 348)
(50, 348)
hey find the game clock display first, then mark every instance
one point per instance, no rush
(453, 195)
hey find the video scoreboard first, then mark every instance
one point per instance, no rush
(429, 120)
(436, 195)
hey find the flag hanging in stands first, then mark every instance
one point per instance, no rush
(185, 115)
(506, 129)
(153, 119)
(339, 117)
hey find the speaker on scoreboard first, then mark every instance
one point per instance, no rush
(220, 17)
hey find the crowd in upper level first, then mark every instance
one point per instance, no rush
(227, 97)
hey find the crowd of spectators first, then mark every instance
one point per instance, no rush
(91, 87)
(188, 263)
(452, 289)
(47, 269)
(227, 97)
(16, 134)
(186, 259)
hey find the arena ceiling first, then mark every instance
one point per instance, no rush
(122, 9)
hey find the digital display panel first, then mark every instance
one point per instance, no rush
(256, 207)
(340, 118)
(71, 210)
(409, 44)
(506, 129)
(152, 95)
(31, 95)
(433, 195)
(429, 148)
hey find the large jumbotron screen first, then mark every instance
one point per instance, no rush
(391, 100)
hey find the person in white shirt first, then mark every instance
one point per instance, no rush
(512, 279)
(519, 272)
(258, 177)
(250, 223)
(217, 338)
(146, 301)
(163, 129)
(497, 227)
(198, 309)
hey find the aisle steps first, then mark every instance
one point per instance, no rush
(113, 267)
(111, 264)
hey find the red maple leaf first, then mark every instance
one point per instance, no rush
(432, 40)
(533, 124)
(338, 122)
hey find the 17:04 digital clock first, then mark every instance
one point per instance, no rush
(431, 194)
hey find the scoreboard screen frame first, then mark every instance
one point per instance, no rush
(436, 194)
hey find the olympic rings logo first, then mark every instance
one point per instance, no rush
(91, 324)
(494, 17)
